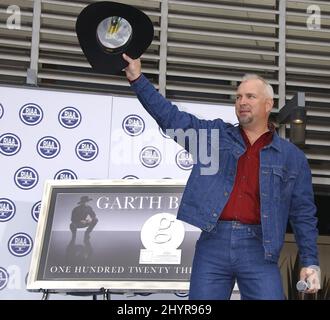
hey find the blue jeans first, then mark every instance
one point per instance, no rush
(233, 251)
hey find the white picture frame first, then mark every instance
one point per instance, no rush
(137, 244)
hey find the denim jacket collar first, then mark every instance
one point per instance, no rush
(276, 142)
(235, 133)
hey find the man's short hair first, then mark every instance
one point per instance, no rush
(268, 88)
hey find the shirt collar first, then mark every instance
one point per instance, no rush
(266, 137)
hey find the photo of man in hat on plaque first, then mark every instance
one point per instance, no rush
(83, 216)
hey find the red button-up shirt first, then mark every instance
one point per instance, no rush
(244, 202)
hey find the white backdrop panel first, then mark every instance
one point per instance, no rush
(89, 116)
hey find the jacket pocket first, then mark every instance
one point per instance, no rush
(283, 181)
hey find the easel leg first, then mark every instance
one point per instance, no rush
(45, 295)
(106, 294)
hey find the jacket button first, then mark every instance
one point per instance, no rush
(226, 193)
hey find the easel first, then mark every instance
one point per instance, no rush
(106, 294)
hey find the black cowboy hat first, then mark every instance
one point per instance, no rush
(106, 30)
(84, 199)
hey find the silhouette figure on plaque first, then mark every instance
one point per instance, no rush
(83, 216)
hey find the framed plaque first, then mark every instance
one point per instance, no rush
(118, 235)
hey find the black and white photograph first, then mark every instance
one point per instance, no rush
(115, 232)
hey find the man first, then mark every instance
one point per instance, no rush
(83, 216)
(243, 208)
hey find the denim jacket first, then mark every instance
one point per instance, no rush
(284, 178)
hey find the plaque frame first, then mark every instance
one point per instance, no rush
(54, 268)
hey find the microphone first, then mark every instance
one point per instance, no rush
(303, 285)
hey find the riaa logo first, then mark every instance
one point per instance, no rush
(150, 157)
(1, 111)
(4, 278)
(133, 125)
(7, 209)
(20, 244)
(35, 211)
(31, 114)
(10, 144)
(48, 147)
(87, 150)
(65, 174)
(184, 160)
(69, 117)
(26, 178)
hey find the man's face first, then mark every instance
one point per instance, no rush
(252, 106)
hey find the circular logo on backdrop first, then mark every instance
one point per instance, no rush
(26, 178)
(20, 244)
(65, 174)
(31, 114)
(4, 277)
(7, 209)
(162, 231)
(2, 111)
(163, 133)
(48, 147)
(150, 157)
(10, 144)
(87, 150)
(184, 160)
(69, 117)
(133, 125)
(35, 211)
(130, 177)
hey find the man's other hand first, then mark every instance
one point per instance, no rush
(311, 274)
